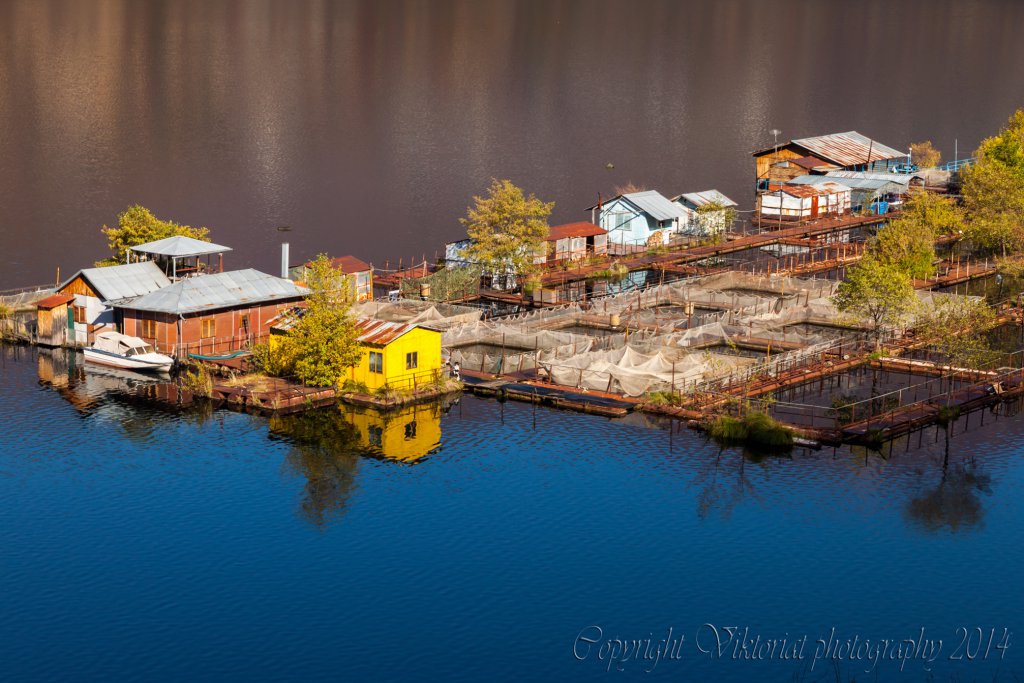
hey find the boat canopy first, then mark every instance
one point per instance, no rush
(122, 344)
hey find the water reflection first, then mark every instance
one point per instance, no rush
(329, 444)
(955, 503)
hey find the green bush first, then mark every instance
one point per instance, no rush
(352, 386)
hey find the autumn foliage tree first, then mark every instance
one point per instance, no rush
(908, 242)
(877, 291)
(506, 229)
(323, 343)
(924, 154)
(993, 190)
(137, 225)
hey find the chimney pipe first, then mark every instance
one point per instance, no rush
(284, 260)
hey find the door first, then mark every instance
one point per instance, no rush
(814, 206)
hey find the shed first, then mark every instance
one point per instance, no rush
(850, 151)
(97, 289)
(574, 241)
(395, 355)
(358, 272)
(209, 314)
(638, 219)
(55, 321)
(700, 220)
(864, 191)
(804, 202)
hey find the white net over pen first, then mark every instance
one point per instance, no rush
(412, 311)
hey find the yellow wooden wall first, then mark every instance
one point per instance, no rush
(427, 343)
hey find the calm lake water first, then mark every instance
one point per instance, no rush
(367, 126)
(480, 540)
(148, 543)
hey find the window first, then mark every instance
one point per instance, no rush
(80, 314)
(209, 328)
(375, 435)
(376, 362)
(245, 325)
(410, 360)
(410, 430)
(148, 329)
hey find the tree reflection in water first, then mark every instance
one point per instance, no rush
(326, 451)
(955, 504)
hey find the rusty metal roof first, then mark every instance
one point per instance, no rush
(578, 229)
(371, 331)
(350, 264)
(848, 149)
(818, 189)
(54, 301)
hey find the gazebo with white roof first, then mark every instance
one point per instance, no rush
(169, 251)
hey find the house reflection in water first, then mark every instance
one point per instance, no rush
(329, 445)
(407, 434)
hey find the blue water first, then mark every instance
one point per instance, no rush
(142, 543)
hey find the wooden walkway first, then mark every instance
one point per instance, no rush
(659, 260)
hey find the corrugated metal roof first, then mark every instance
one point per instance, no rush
(371, 331)
(349, 264)
(810, 162)
(220, 290)
(180, 246)
(115, 283)
(822, 187)
(899, 178)
(380, 332)
(54, 301)
(657, 205)
(579, 229)
(848, 149)
(698, 199)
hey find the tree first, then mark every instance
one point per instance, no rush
(877, 291)
(955, 325)
(715, 218)
(993, 190)
(323, 343)
(137, 225)
(924, 154)
(908, 242)
(507, 229)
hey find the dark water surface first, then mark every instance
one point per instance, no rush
(146, 544)
(368, 125)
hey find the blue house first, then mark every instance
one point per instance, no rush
(639, 219)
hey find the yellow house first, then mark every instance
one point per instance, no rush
(407, 434)
(398, 355)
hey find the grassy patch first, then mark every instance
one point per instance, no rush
(754, 429)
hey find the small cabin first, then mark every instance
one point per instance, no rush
(638, 219)
(804, 202)
(850, 151)
(358, 272)
(96, 290)
(396, 355)
(707, 212)
(55, 321)
(574, 242)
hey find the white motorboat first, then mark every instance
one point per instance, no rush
(121, 351)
